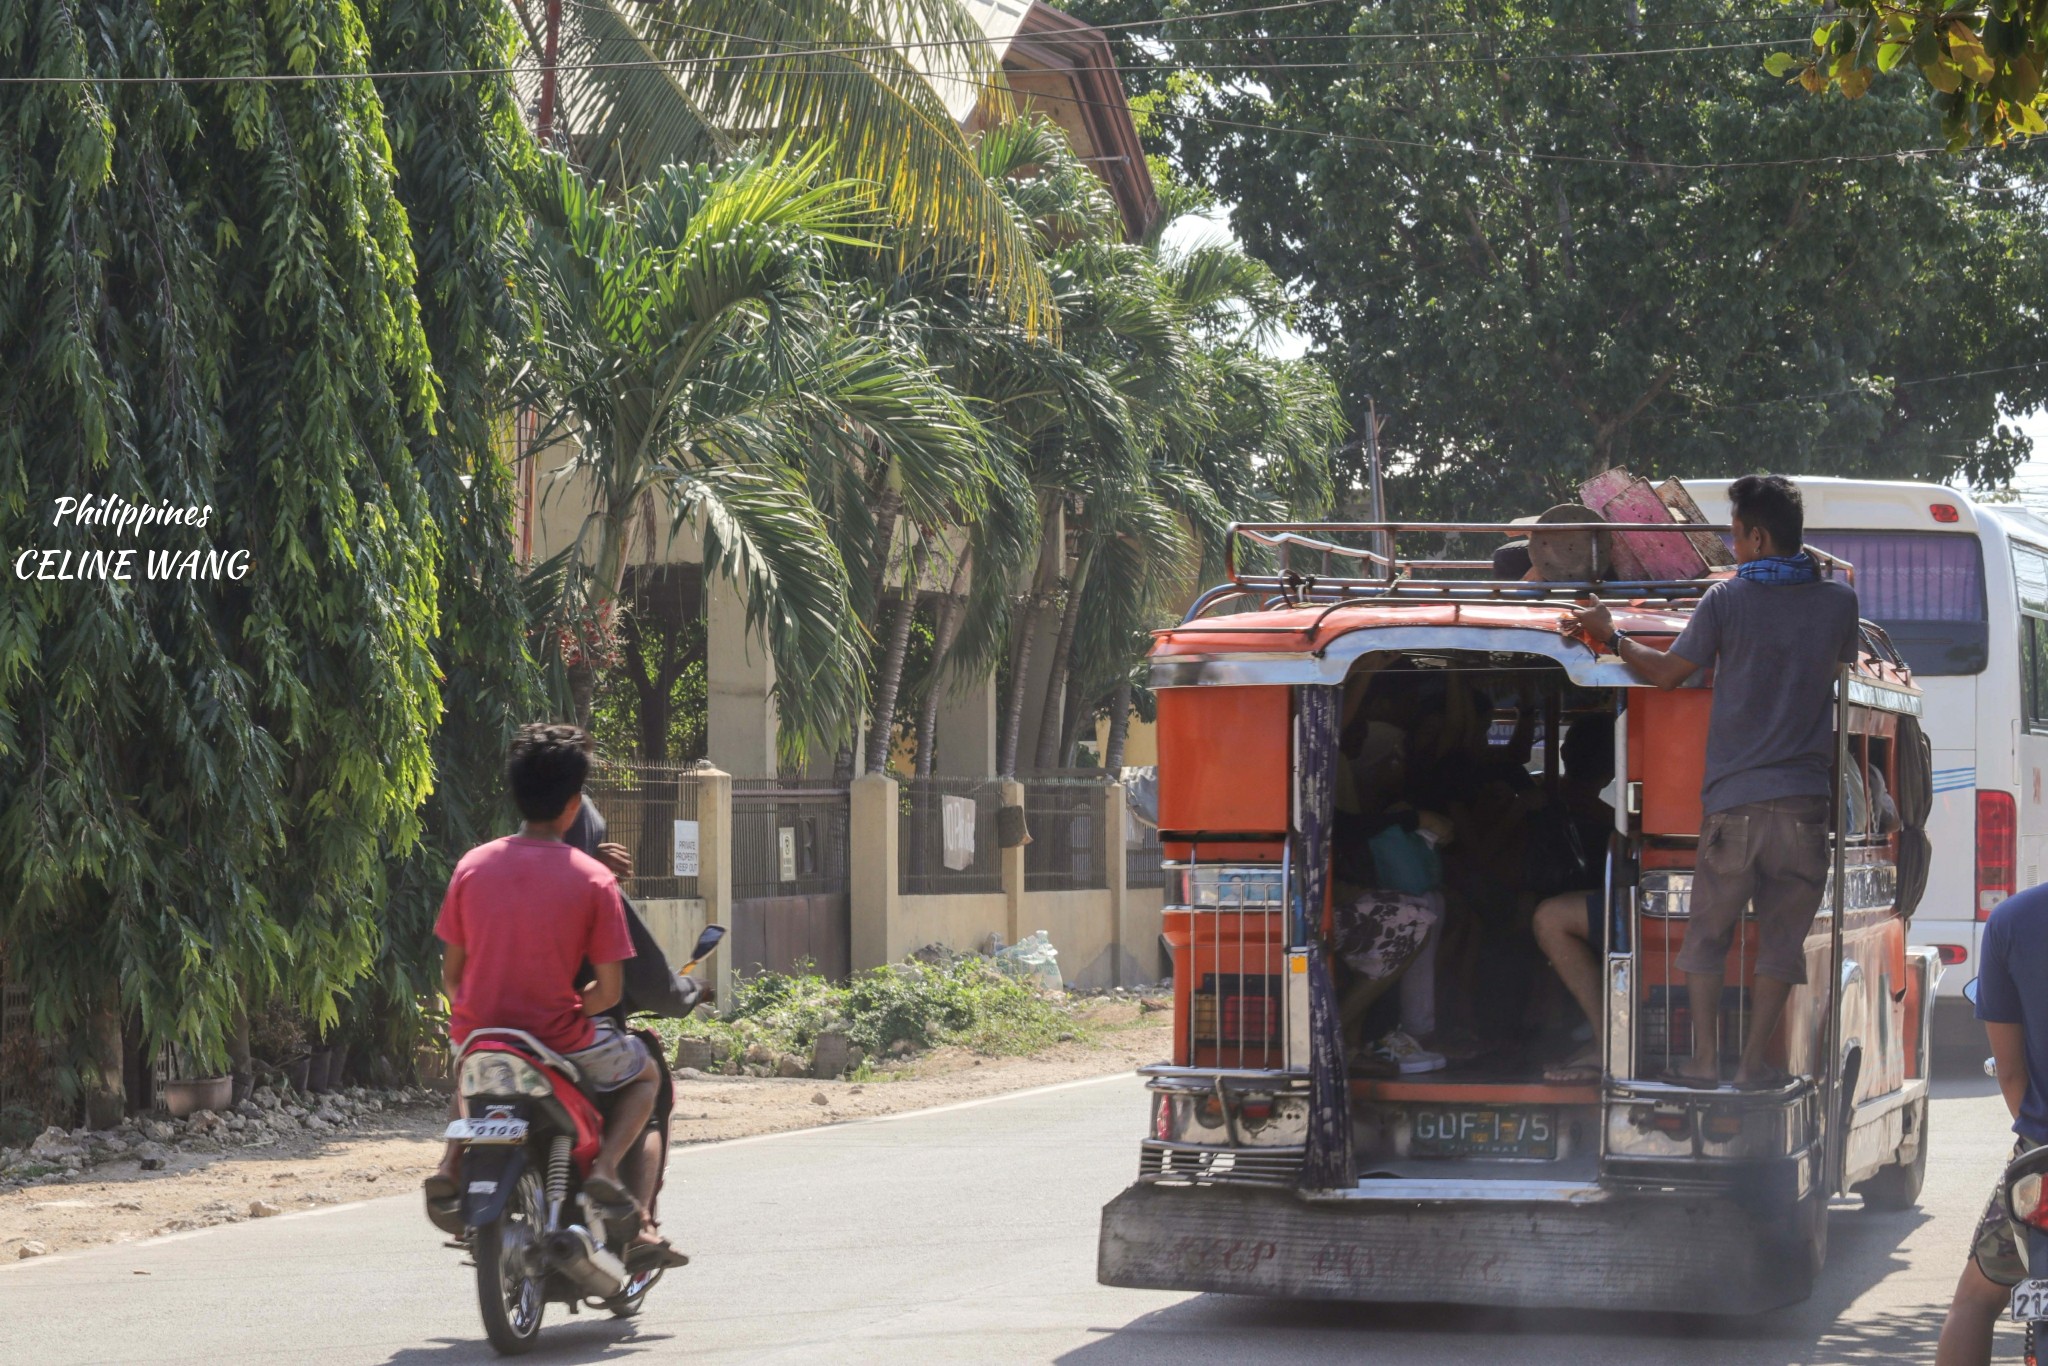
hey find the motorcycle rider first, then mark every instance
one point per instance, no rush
(522, 915)
(2012, 1001)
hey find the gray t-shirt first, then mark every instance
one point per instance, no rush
(1774, 648)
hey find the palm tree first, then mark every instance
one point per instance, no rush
(694, 346)
(630, 86)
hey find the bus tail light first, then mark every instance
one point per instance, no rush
(1945, 512)
(1997, 849)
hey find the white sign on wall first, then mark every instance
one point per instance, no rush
(785, 843)
(957, 823)
(686, 849)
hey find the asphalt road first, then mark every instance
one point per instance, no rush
(966, 1234)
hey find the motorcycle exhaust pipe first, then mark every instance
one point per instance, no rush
(595, 1271)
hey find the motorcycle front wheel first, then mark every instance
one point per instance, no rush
(509, 1273)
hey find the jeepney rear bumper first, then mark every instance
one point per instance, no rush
(1598, 1248)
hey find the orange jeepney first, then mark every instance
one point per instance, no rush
(1276, 1163)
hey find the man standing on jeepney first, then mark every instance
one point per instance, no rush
(1774, 636)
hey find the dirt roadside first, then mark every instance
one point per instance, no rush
(388, 1151)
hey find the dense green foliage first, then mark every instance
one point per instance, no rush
(1540, 267)
(210, 295)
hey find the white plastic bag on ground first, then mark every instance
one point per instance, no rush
(1035, 958)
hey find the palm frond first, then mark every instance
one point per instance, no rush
(841, 72)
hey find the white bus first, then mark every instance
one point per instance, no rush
(1962, 589)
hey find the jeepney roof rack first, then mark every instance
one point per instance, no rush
(1305, 566)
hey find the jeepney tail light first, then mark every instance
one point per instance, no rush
(1997, 849)
(1722, 1126)
(1952, 954)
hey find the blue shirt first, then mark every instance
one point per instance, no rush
(2012, 988)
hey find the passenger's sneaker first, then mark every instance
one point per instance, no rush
(1406, 1054)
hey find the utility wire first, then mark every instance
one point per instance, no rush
(1213, 120)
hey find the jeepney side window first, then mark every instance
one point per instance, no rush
(2031, 572)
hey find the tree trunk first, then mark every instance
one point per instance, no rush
(582, 690)
(240, 1064)
(888, 504)
(106, 1098)
(942, 641)
(1013, 706)
(1075, 712)
(1119, 726)
(1020, 671)
(1052, 712)
(891, 682)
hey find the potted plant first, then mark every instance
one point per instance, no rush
(193, 1087)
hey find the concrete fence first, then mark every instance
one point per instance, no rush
(1107, 933)
(924, 865)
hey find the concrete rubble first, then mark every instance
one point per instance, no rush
(268, 1117)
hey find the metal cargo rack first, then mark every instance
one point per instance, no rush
(1337, 574)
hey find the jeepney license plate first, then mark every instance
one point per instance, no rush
(487, 1131)
(1482, 1131)
(2030, 1301)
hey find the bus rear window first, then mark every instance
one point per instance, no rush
(1926, 588)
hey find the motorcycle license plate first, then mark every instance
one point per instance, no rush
(2030, 1301)
(1482, 1131)
(486, 1131)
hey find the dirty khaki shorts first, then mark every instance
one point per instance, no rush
(612, 1060)
(1994, 1249)
(1773, 854)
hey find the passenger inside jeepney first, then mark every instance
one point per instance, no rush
(1446, 838)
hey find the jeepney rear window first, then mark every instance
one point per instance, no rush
(1926, 588)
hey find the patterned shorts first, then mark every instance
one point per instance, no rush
(612, 1060)
(1995, 1249)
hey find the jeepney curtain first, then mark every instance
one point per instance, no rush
(1318, 713)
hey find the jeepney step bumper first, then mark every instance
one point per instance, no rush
(1664, 1253)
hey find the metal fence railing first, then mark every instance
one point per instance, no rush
(643, 805)
(1142, 854)
(1065, 818)
(18, 1051)
(946, 843)
(788, 840)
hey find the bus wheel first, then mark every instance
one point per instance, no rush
(1897, 1186)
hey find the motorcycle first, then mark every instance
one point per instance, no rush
(2026, 1204)
(528, 1134)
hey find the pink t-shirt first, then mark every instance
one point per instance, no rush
(529, 912)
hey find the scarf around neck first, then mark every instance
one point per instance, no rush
(1798, 568)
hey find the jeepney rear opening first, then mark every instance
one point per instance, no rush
(1463, 750)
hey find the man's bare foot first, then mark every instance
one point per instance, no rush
(1687, 1074)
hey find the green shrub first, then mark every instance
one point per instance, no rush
(969, 1002)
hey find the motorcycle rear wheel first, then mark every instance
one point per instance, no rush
(510, 1279)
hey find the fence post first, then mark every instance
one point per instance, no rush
(1013, 868)
(872, 827)
(714, 873)
(1116, 817)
